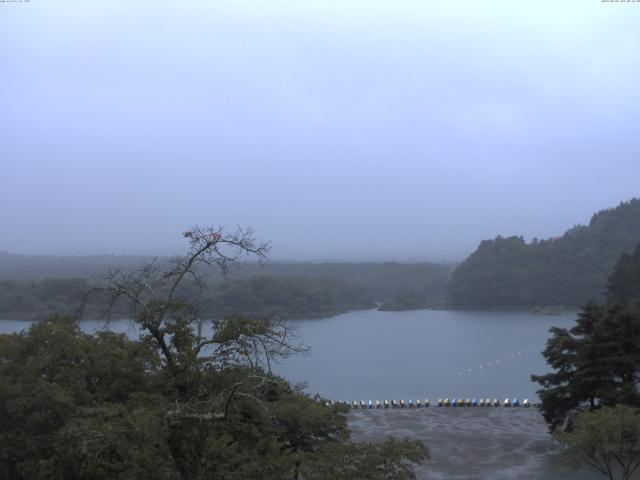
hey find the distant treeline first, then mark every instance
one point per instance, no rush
(286, 297)
(39, 267)
(33, 286)
(384, 282)
(281, 297)
(570, 270)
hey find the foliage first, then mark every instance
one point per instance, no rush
(287, 297)
(596, 362)
(53, 376)
(32, 300)
(624, 282)
(608, 440)
(409, 300)
(175, 404)
(391, 459)
(570, 270)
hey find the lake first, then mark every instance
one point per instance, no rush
(368, 354)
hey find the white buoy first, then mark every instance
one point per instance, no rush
(427, 403)
(378, 404)
(440, 402)
(496, 402)
(386, 404)
(507, 403)
(526, 403)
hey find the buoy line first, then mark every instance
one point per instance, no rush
(498, 362)
(446, 402)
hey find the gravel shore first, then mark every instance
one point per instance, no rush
(472, 443)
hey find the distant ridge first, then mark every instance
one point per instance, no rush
(36, 267)
(568, 270)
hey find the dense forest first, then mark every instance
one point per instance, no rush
(569, 270)
(34, 286)
(287, 297)
(280, 297)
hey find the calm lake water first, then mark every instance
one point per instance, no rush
(367, 354)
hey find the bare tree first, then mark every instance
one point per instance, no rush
(153, 297)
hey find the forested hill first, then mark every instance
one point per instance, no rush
(569, 270)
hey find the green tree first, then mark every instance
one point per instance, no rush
(391, 459)
(579, 380)
(191, 399)
(568, 270)
(596, 362)
(54, 381)
(607, 440)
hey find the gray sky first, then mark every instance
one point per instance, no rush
(338, 129)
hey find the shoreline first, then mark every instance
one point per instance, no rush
(335, 313)
(471, 443)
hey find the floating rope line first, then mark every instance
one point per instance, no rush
(491, 364)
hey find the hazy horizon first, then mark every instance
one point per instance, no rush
(338, 130)
(284, 259)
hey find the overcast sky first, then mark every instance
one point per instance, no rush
(338, 129)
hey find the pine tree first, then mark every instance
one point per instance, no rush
(597, 362)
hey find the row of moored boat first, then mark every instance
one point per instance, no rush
(442, 402)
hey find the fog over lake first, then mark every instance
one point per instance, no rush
(369, 354)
